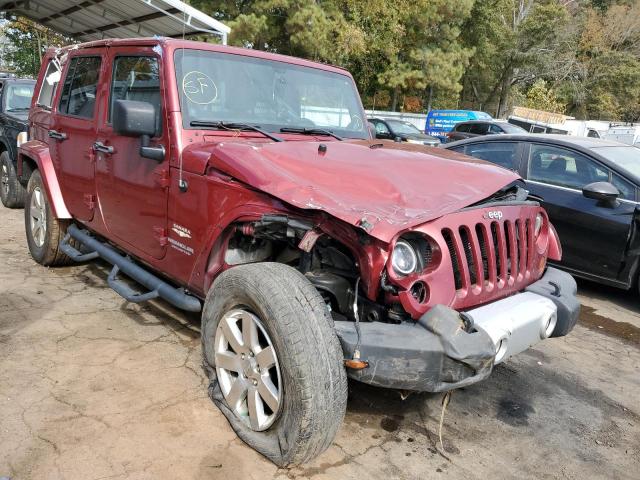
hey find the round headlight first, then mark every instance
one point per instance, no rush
(403, 258)
(538, 225)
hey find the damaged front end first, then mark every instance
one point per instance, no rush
(475, 290)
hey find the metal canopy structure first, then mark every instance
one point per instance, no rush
(98, 19)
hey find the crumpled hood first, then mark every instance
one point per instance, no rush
(391, 187)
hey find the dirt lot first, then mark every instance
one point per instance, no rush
(92, 388)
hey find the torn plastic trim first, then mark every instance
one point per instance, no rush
(435, 354)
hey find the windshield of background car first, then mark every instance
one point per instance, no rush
(625, 157)
(221, 87)
(18, 97)
(510, 128)
(402, 127)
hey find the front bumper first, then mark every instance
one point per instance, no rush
(446, 349)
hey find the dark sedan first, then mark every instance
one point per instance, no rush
(407, 132)
(591, 190)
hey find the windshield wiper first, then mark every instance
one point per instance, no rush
(20, 109)
(234, 126)
(311, 131)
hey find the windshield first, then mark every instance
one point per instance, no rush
(220, 87)
(403, 127)
(626, 157)
(18, 96)
(510, 128)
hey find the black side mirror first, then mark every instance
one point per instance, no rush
(604, 192)
(138, 119)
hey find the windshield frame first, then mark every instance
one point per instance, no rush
(5, 94)
(363, 134)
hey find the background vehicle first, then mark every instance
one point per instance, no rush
(388, 129)
(477, 128)
(440, 122)
(629, 134)
(589, 187)
(539, 121)
(15, 98)
(246, 184)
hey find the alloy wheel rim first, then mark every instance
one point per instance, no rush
(4, 179)
(247, 369)
(38, 217)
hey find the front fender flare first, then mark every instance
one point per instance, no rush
(39, 152)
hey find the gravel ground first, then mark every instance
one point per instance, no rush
(92, 388)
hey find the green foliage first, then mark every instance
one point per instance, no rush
(581, 57)
(28, 43)
(542, 97)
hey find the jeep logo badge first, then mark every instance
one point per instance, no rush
(494, 215)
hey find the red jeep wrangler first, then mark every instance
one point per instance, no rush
(247, 184)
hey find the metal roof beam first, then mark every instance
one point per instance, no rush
(123, 23)
(69, 10)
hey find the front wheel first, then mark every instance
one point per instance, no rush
(12, 193)
(274, 361)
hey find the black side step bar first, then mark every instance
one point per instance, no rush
(157, 288)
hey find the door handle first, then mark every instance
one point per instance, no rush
(101, 147)
(57, 135)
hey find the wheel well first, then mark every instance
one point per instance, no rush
(325, 261)
(3, 147)
(29, 165)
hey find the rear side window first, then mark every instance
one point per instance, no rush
(500, 153)
(463, 127)
(479, 128)
(495, 129)
(136, 78)
(80, 86)
(49, 85)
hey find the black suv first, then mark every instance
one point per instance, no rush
(15, 100)
(477, 128)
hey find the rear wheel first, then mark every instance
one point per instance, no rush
(12, 193)
(44, 231)
(274, 360)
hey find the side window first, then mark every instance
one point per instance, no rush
(559, 166)
(495, 129)
(627, 190)
(463, 127)
(136, 78)
(79, 88)
(382, 129)
(479, 128)
(500, 153)
(49, 85)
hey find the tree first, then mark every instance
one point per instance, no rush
(27, 43)
(542, 97)
(516, 42)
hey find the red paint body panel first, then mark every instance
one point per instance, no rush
(39, 152)
(237, 177)
(393, 189)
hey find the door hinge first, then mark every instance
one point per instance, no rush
(161, 235)
(162, 177)
(90, 201)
